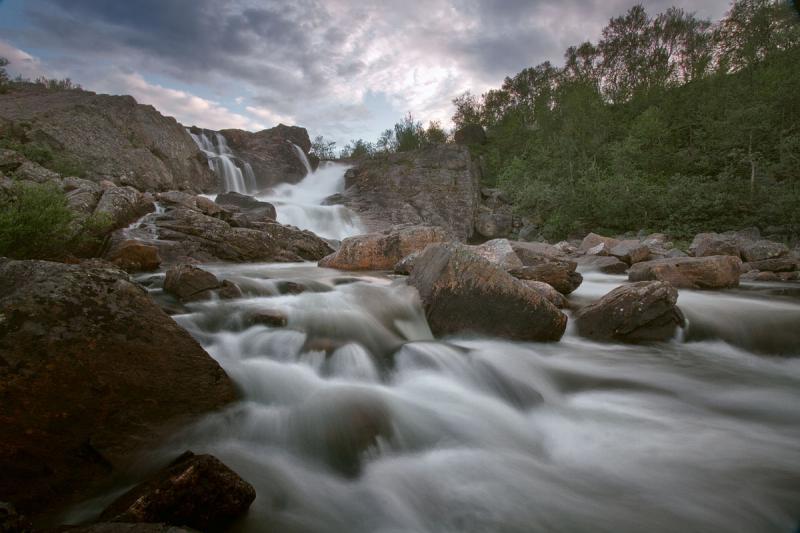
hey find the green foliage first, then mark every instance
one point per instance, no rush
(15, 139)
(408, 134)
(36, 222)
(357, 148)
(669, 123)
(322, 148)
(3, 75)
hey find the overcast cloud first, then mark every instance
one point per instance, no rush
(344, 69)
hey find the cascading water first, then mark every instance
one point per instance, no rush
(354, 418)
(303, 157)
(298, 204)
(220, 160)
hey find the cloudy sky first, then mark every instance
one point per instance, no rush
(342, 68)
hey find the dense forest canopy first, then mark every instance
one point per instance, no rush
(668, 122)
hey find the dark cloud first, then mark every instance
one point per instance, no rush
(315, 59)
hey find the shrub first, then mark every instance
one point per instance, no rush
(36, 222)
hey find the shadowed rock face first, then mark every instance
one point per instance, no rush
(270, 153)
(462, 291)
(198, 491)
(91, 372)
(643, 311)
(712, 272)
(437, 186)
(111, 137)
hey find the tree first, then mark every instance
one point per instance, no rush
(468, 110)
(3, 75)
(323, 149)
(408, 134)
(386, 142)
(434, 134)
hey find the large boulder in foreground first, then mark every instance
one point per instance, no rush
(382, 251)
(109, 137)
(462, 291)
(643, 311)
(197, 491)
(438, 185)
(713, 272)
(92, 371)
(189, 283)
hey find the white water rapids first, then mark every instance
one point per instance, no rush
(354, 418)
(486, 435)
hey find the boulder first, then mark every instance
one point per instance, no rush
(381, 251)
(82, 195)
(500, 253)
(109, 137)
(630, 251)
(712, 272)
(406, 264)
(607, 264)
(135, 256)
(593, 239)
(247, 204)
(533, 253)
(123, 205)
(548, 293)
(643, 311)
(461, 291)
(708, 244)
(560, 275)
(470, 134)
(271, 153)
(778, 264)
(189, 283)
(124, 527)
(494, 225)
(763, 250)
(267, 317)
(197, 491)
(92, 372)
(437, 185)
(184, 232)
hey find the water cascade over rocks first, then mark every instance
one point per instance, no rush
(221, 161)
(355, 418)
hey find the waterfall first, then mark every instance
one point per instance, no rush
(220, 160)
(303, 157)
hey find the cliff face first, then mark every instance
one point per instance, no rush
(108, 137)
(271, 154)
(439, 185)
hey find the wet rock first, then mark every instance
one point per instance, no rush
(548, 293)
(197, 491)
(763, 250)
(438, 186)
(560, 275)
(593, 239)
(499, 252)
(462, 291)
(254, 210)
(124, 527)
(184, 232)
(123, 205)
(470, 134)
(406, 264)
(189, 283)
(381, 251)
(778, 264)
(607, 264)
(93, 372)
(713, 272)
(134, 256)
(630, 251)
(267, 317)
(494, 225)
(709, 244)
(534, 253)
(643, 311)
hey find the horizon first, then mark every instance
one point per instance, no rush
(340, 69)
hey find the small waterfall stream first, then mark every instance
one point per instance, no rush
(220, 160)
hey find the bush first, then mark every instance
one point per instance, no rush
(36, 222)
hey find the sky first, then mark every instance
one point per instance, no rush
(344, 69)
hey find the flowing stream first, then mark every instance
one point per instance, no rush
(354, 418)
